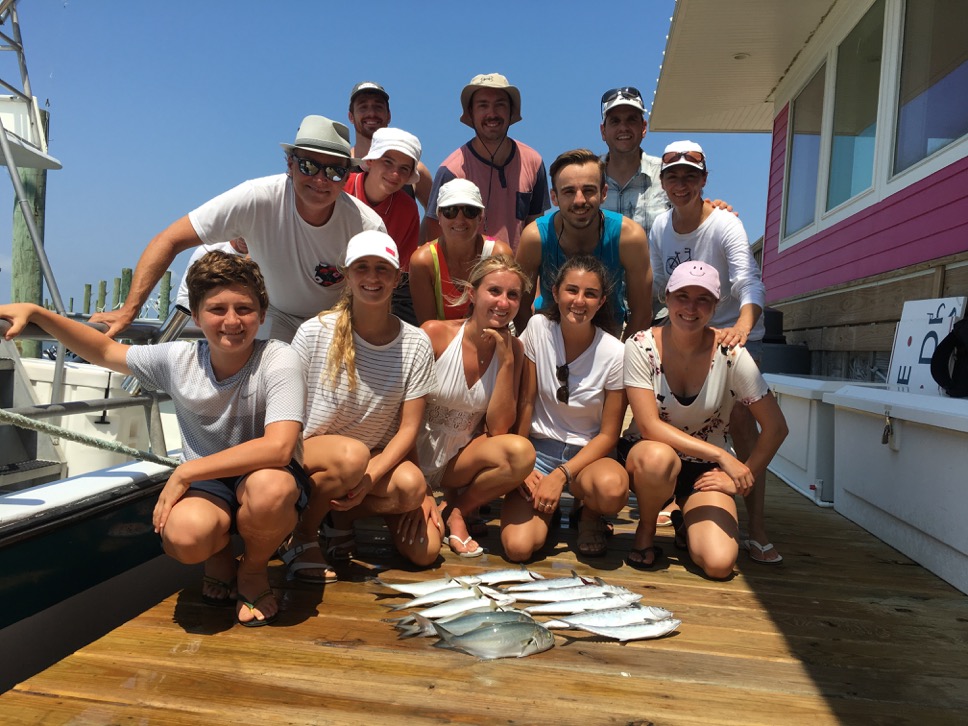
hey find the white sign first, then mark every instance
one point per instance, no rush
(924, 324)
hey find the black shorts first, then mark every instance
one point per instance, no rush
(225, 488)
(686, 481)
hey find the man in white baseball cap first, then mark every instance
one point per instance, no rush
(296, 226)
(370, 111)
(510, 175)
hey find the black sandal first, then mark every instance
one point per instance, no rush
(642, 552)
(679, 525)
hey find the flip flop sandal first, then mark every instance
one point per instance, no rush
(451, 538)
(751, 545)
(252, 605)
(667, 523)
(297, 570)
(641, 564)
(218, 602)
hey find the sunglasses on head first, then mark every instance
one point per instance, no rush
(629, 92)
(309, 167)
(561, 373)
(695, 157)
(470, 211)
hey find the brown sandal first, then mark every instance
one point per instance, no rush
(591, 537)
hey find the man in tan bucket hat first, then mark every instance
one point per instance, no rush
(296, 226)
(510, 175)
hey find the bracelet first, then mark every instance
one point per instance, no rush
(564, 470)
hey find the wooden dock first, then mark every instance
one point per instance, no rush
(846, 630)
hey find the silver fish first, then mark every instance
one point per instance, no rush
(438, 596)
(516, 574)
(571, 593)
(464, 605)
(423, 587)
(464, 623)
(614, 617)
(555, 583)
(636, 631)
(583, 605)
(503, 640)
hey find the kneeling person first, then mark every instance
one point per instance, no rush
(240, 405)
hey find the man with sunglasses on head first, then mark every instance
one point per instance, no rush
(510, 175)
(296, 226)
(369, 112)
(581, 227)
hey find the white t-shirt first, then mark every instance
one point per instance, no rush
(720, 241)
(386, 376)
(733, 376)
(182, 297)
(596, 370)
(300, 262)
(215, 415)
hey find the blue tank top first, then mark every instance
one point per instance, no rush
(552, 257)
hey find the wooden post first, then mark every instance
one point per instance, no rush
(87, 298)
(116, 294)
(125, 283)
(164, 296)
(27, 281)
(70, 305)
(102, 295)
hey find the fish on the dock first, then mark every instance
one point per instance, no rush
(456, 607)
(464, 623)
(514, 574)
(614, 617)
(555, 583)
(423, 587)
(457, 592)
(502, 640)
(635, 631)
(571, 593)
(583, 605)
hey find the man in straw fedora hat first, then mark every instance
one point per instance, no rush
(510, 175)
(296, 226)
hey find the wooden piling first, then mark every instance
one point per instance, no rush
(102, 295)
(87, 298)
(164, 296)
(116, 294)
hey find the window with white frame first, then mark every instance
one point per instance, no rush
(932, 110)
(855, 108)
(806, 116)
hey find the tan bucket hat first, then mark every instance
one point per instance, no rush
(489, 80)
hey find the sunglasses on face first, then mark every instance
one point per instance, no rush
(694, 156)
(561, 373)
(309, 167)
(470, 212)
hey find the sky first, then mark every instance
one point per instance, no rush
(157, 107)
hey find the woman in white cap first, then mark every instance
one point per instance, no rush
(389, 165)
(368, 374)
(465, 445)
(694, 229)
(682, 383)
(436, 267)
(572, 403)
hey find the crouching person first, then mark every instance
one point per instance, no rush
(239, 403)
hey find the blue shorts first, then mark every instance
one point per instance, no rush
(225, 488)
(551, 453)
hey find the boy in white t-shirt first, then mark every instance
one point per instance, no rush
(240, 405)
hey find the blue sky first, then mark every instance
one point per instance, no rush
(157, 107)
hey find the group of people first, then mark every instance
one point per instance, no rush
(315, 399)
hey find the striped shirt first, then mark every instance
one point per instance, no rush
(386, 376)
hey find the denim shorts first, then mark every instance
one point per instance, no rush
(225, 488)
(550, 453)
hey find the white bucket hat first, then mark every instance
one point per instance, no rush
(390, 139)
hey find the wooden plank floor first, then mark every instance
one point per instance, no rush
(847, 630)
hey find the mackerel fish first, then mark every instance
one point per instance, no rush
(452, 593)
(514, 574)
(571, 593)
(636, 631)
(423, 587)
(555, 583)
(502, 640)
(456, 607)
(464, 623)
(583, 605)
(634, 613)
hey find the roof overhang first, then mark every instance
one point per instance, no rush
(724, 61)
